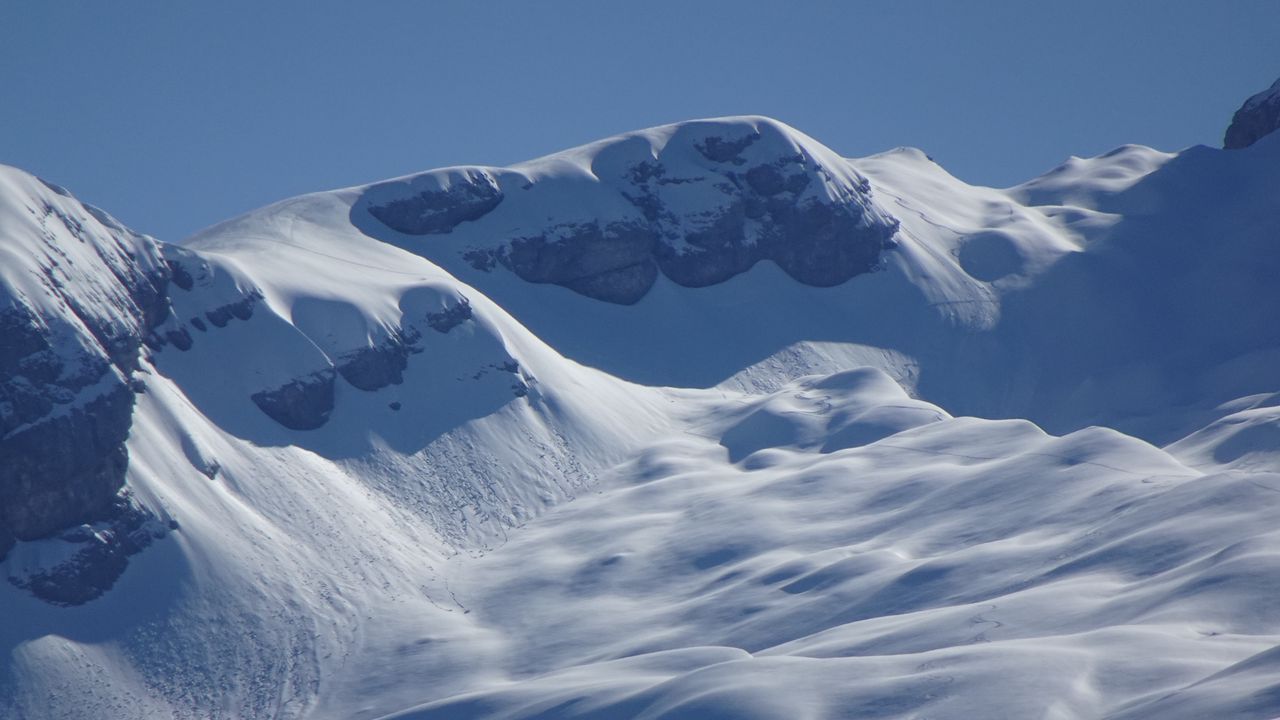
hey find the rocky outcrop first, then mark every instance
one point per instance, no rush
(756, 211)
(241, 309)
(439, 209)
(699, 203)
(299, 384)
(73, 326)
(614, 262)
(1259, 116)
(378, 366)
(66, 469)
(93, 556)
(303, 404)
(450, 317)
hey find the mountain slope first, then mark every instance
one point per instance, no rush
(81, 296)
(1100, 250)
(670, 426)
(436, 425)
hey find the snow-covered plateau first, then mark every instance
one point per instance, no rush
(701, 421)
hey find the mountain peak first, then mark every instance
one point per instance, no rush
(698, 201)
(1257, 117)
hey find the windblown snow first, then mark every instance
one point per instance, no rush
(492, 443)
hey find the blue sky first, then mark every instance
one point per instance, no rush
(173, 116)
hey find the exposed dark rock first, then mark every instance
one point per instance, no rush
(102, 556)
(303, 404)
(483, 259)
(624, 286)
(468, 197)
(22, 339)
(766, 180)
(815, 240)
(450, 317)
(179, 338)
(180, 276)
(66, 398)
(824, 245)
(67, 468)
(69, 354)
(376, 367)
(613, 263)
(570, 251)
(715, 253)
(241, 309)
(1258, 117)
(720, 150)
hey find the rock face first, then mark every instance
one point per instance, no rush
(1259, 116)
(80, 295)
(68, 467)
(440, 208)
(94, 556)
(698, 202)
(450, 317)
(376, 367)
(293, 379)
(303, 404)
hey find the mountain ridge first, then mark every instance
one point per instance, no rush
(497, 467)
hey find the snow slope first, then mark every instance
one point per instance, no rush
(1112, 253)
(409, 484)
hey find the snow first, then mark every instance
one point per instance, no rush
(838, 583)
(1111, 252)
(84, 251)
(899, 497)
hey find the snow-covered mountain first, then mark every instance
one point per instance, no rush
(699, 421)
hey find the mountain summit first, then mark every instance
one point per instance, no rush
(699, 202)
(1259, 116)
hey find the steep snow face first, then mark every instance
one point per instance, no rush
(1258, 117)
(697, 202)
(1169, 310)
(353, 348)
(322, 422)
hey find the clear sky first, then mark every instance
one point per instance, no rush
(175, 115)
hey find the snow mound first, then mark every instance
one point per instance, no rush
(1091, 573)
